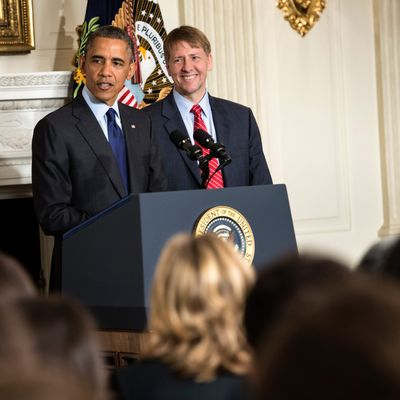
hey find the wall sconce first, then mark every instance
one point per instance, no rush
(302, 15)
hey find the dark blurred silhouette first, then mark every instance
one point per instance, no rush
(42, 384)
(279, 281)
(16, 346)
(15, 283)
(383, 258)
(337, 342)
(64, 338)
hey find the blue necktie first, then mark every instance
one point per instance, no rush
(117, 143)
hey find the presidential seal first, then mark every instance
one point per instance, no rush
(229, 224)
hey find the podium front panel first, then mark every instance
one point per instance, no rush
(108, 262)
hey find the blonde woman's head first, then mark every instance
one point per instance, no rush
(197, 302)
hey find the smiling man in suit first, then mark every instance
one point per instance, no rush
(189, 106)
(94, 151)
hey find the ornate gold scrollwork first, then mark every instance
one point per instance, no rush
(302, 15)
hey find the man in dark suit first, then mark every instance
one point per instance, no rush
(188, 57)
(76, 171)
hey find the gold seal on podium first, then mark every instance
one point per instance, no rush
(229, 224)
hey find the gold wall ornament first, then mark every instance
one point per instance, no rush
(16, 26)
(302, 15)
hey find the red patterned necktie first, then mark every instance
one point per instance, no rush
(216, 181)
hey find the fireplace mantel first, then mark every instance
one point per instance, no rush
(24, 99)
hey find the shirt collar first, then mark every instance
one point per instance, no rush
(186, 105)
(99, 108)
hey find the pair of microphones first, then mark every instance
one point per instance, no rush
(194, 152)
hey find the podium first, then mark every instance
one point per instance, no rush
(108, 261)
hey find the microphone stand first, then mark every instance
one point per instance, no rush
(205, 171)
(226, 161)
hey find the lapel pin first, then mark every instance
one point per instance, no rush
(133, 126)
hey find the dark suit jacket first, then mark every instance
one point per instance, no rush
(152, 380)
(74, 172)
(236, 128)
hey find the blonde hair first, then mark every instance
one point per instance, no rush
(197, 302)
(195, 37)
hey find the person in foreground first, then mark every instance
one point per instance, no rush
(197, 347)
(189, 106)
(382, 259)
(39, 384)
(341, 342)
(93, 151)
(64, 339)
(15, 282)
(281, 280)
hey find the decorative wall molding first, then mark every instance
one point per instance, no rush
(24, 99)
(38, 85)
(40, 79)
(14, 141)
(387, 15)
(41, 104)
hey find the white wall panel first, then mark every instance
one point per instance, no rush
(312, 128)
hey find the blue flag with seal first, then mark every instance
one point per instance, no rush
(143, 21)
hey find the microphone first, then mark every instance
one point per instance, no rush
(216, 149)
(193, 151)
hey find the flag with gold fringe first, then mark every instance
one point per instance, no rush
(143, 21)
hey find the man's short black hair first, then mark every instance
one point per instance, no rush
(110, 32)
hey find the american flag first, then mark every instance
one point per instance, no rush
(126, 97)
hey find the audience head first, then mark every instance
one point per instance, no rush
(341, 342)
(64, 338)
(44, 385)
(197, 303)
(15, 283)
(279, 281)
(383, 258)
(16, 347)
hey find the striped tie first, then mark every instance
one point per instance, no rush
(216, 181)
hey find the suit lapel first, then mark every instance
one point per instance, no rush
(132, 140)
(221, 120)
(175, 122)
(90, 129)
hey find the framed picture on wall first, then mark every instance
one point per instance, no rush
(16, 26)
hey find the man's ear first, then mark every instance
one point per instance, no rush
(210, 62)
(131, 70)
(82, 63)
